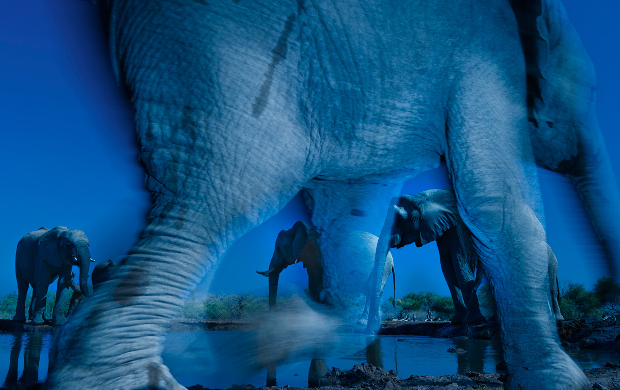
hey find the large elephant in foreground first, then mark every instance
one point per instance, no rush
(240, 104)
(299, 244)
(41, 257)
(432, 216)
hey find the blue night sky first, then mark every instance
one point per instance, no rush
(70, 158)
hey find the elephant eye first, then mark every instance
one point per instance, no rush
(68, 244)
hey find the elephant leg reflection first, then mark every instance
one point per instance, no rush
(271, 375)
(373, 352)
(317, 371)
(473, 359)
(11, 376)
(32, 355)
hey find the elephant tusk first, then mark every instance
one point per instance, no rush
(92, 260)
(75, 259)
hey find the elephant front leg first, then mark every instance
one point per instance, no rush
(445, 258)
(201, 205)
(494, 176)
(62, 296)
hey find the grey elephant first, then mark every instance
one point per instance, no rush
(41, 257)
(239, 105)
(432, 215)
(299, 244)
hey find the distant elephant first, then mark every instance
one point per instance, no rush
(432, 215)
(240, 105)
(300, 244)
(41, 257)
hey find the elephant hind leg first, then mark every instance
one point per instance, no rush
(22, 291)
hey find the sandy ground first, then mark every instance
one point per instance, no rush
(368, 377)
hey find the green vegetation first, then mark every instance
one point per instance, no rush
(8, 303)
(229, 306)
(416, 306)
(575, 303)
(603, 301)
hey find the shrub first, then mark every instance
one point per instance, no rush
(8, 304)
(608, 294)
(416, 306)
(576, 302)
(443, 306)
(226, 306)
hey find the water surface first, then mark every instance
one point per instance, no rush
(219, 359)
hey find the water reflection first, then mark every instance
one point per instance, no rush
(318, 367)
(473, 357)
(31, 359)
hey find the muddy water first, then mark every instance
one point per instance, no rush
(221, 359)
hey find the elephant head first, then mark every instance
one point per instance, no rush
(292, 246)
(421, 218)
(61, 245)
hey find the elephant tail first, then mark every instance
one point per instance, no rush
(394, 280)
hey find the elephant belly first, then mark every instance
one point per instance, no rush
(372, 87)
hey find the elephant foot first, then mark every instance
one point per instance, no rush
(19, 318)
(556, 371)
(557, 377)
(133, 376)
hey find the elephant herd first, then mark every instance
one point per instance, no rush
(421, 218)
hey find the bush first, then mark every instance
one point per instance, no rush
(8, 304)
(416, 306)
(608, 294)
(443, 306)
(227, 306)
(576, 302)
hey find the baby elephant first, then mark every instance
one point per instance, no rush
(300, 244)
(432, 216)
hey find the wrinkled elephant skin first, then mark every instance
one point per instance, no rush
(241, 104)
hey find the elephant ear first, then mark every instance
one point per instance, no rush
(48, 248)
(300, 238)
(435, 220)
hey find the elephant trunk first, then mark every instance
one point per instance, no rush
(383, 248)
(274, 277)
(84, 265)
(593, 178)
